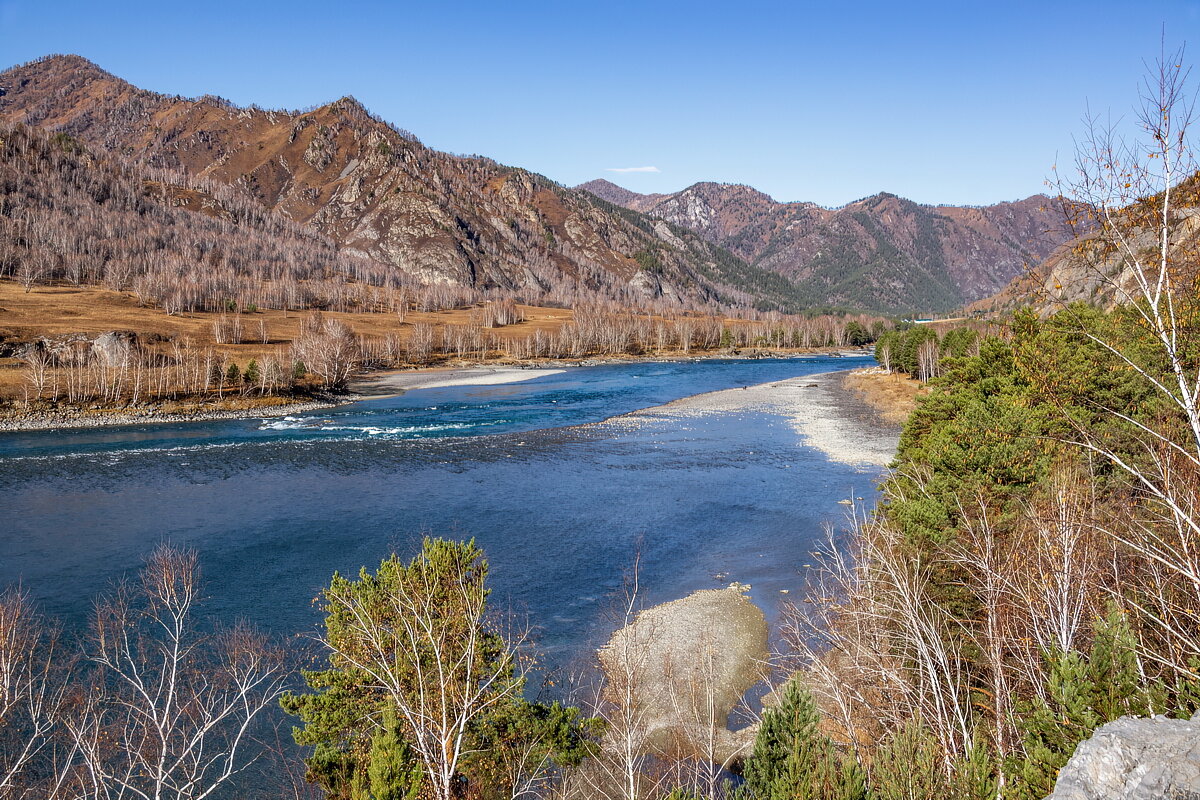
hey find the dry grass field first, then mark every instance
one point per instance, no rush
(893, 394)
(61, 310)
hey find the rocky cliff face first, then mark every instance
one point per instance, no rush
(378, 192)
(1090, 271)
(1135, 759)
(883, 252)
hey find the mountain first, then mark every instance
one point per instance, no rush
(180, 242)
(380, 195)
(882, 253)
(1096, 270)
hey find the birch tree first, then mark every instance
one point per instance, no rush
(1139, 197)
(417, 639)
(170, 710)
(33, 688)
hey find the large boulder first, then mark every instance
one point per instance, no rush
(684, 666)
(113, 349)
(1135, 759)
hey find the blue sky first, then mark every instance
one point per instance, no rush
(959, 102)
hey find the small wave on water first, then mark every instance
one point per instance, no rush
(372, 430)
(325, 424)
(289, 423)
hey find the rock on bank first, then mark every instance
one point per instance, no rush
(1135, 759)
(686, 665)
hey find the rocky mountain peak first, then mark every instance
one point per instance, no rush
(882, 252)
(378, 192)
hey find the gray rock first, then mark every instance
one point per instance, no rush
(686, 665)
(646, 284)
(112, 349)
(1135, 759)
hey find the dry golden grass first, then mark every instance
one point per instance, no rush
(894, 394)
(61, 310)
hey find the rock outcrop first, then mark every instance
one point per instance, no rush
(111, 349)
(1135, 759)
(686, 665)
(1091, 271)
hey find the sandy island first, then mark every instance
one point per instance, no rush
(828, 414)
(384, 384)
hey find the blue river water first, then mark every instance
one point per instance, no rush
(560, 504)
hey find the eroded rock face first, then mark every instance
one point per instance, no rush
(1135, 759)
(686, 664)
(113, 349)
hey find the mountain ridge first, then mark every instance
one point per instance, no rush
(379, 193)
(883, 251)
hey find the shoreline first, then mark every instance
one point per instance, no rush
(76, 419)
(395, 382)
(365, 386)
(823, 408)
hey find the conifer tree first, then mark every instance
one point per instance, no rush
(909, 765)
(1082, 693)
(793, 760)
(393, 771)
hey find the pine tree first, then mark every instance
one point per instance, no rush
(793, 760)
(976, 774)
(252, 375)
(393, 771)
(1082, 693)
(233, 374)
(909, 765)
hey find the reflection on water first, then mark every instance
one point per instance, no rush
(561, 506)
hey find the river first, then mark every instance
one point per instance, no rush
(562, 480)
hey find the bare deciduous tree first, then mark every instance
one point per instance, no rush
(32, 689)
(170, 709)
(329, 348)
(1131, 194)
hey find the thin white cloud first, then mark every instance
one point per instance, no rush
(633, 169)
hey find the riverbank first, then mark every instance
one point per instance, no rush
(64, 418)
(386, 384)
(893, 394)
(828, 413)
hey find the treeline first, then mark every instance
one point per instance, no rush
(126, 368)
(919, 349)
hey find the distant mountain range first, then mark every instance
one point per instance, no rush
(378, 192)
(884, 253)
(380, 196)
